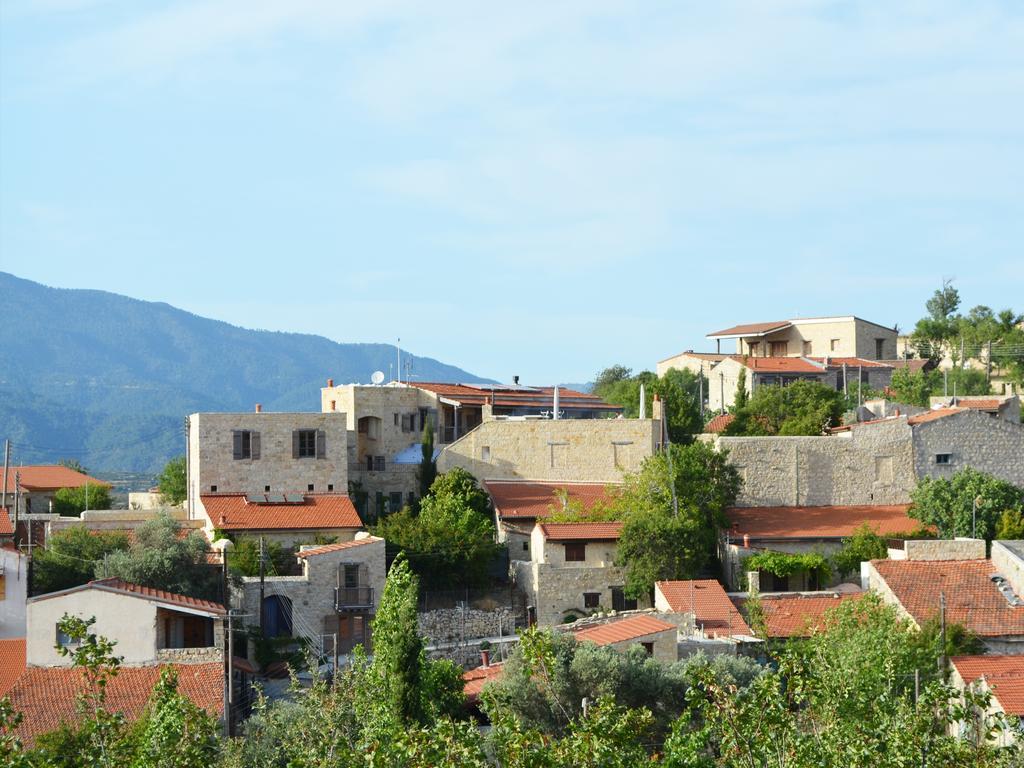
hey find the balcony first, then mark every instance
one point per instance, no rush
(353, 599)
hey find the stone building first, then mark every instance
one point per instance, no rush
(620, 633)
(800, 530)
(571, 572)
(35, 486)
(1002, 678)
(519, 504)
(287, 519)
(701, 607)
(845, 336)
(336, 597)
(149, 625)
(699, 363)
(1006, 407)
(984, 595)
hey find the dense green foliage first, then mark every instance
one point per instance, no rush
(949, 503)
(1010, 525)
(784, 564)
(244, 558)
(863, 545)
(673, 537)
(451, 540)
(679, 391)
(70, 558)
(173, 481)
(426, 473)
(801, 408)
(915, 388)
(71, 502)
(159, 558)
(101, 374)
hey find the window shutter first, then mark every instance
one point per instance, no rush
(321, 444)
(295, 443)
(236, 441)
(254, 445)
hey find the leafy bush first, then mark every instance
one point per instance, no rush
(71, 556)
(71, 502)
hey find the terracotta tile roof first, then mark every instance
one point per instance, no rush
(622, 630)
(939, 413)
(341, 545)
(525, 397)
(581, 531)
(115, 584)
(47, 695)
(751, 329)
(714, 357)
(971, 668)
(476, 679)
(6, 528)
(719, 423)
(231, 512)
(48, 477)
(851, 362)
(979, 405)
(972, 599)
(913, 365)
(531, 500)
(710, 605)
(1009, 692)
(12, 662)
(817, 522)
(797, 615)
(780, 364)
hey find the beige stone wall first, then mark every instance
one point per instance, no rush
(210, 454)
(722, 382)
(557, 590)
(944, 549)
(599, 554)
(973, 439)
(584, 450)
(684, 362)
(665, 646)
(13, 593)
(872, 464)
(852, 337)
(1007, 560)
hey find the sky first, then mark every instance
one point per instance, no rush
(541, 189)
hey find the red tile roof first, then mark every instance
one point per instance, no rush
(622, 630)
(710, 605)
(971, 668)
(980, 405)
(341, 545)
(817, 522)
(1009, 692)
(719, 423)
(939, 413)
(851, 362)
(47, 695)
(119, 586)
(913, 365)
(12, 662)
(972, 599)
(797, 615)
(581, 531)
(752, 329)
(534, 500)
(540, 397)
(48, 477)
(231, 512)
(476, 679)
(6, 528)
(780, 364)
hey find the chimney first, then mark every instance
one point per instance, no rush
(330, 382)
(515, 380)
(259, 408)
(746, 541)
(485, 659)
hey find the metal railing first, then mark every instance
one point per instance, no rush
(352, 598)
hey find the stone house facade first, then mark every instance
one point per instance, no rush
(845, 336)
(651, 632)
(149, 625)
(336, 596)
(571, 572)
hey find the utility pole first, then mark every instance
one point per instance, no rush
(263, 574)
(942, 626)
(700, 392)
(7, 464)
(229, 693)
(988, 363)
(845, 393)
(334, 676)
(860, 385)
(17, 503)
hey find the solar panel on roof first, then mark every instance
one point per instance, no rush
(294, 498)
(275, 498)
(501, 387)
(255, 498)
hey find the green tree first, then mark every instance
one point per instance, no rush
(911, 387)
(1010, 525)
(70, 557)
(863, 545)
(742, 397)
(933, 333)
(678, 390)
(606, 380)
(802, 408)
(73, 464)
(71, 502)
(159, 558)
(12, 753)
(173, 482)
(244, 558)
(671, 510)
(174, 732)
(427, 471)
(459, 485)
(952, 504)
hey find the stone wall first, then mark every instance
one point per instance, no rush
(944, 549)
(557, 591)
(584, 450)
(871, 464)
(972, 439)
(191, 655)
(1008, 560)
(459, 626)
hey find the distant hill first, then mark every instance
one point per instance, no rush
(107, 379)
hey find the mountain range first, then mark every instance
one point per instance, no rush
(107, 379)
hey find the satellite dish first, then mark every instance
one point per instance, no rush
(377, 377)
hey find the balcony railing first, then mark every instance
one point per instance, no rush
(353, 598)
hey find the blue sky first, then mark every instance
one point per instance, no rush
(516, 188)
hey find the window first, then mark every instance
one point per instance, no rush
(266, 489)
(351, 575)
(64, 640)
(334, 405)
(380, 503)
(213, 489)
(620, 602)
(591, 599)
(304, 444)
(780, 583)
(833, 345)
(370, 426)
(245, 444)
(369, 463)
(330, 487)
(485, 453)
(649, 647)
(943, 458)
(395, 501)
(526, 546)
(779, 348)
(378, 463)
(807, 349)
(879, 349)
(309, 487)
(575, 552)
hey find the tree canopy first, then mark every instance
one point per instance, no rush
(173, 482)
(71, 502)
(952, 504)
(70, 557)
(679, 391)
(801, 408)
